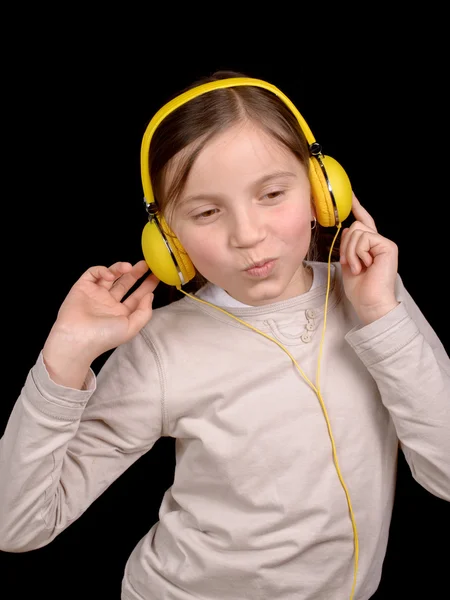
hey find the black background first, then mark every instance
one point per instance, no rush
(76, 99)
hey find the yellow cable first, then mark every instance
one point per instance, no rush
(316, 389)
(330, 433)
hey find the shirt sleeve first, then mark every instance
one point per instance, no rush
(63, 447)
(412, 371)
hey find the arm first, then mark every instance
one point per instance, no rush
(63, 447)
(401, 351)
(66, 442)
(412, 371)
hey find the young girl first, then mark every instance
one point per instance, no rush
(287, 383)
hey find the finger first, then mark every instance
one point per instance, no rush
(361, 214)
(141, 315)
(118, 269)
(146, 287)
(106, 275)
(348, 253)
(364, 247)
(362, 250)
(125, 282)
(346, 236)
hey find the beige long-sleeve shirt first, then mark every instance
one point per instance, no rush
(256, 509)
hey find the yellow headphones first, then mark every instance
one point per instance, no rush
(163, 252)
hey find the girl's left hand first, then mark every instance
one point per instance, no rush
(369, 267)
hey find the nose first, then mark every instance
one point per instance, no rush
(247, 227)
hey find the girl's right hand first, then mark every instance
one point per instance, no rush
(93, 319)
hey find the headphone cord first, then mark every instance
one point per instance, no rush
(316, 389)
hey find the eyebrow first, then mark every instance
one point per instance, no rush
(274, 175)
(258, 183)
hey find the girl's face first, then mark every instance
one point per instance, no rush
(244, 216)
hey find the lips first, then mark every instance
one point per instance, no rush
(262, 268)
(260, 263)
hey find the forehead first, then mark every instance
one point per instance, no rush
(237, 155)
(245, 143)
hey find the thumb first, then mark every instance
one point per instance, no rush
(142, 314)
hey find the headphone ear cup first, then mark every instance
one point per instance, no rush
(161, 247)
(340, 186)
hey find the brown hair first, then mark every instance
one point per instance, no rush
(196, 122)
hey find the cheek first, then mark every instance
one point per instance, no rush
(201, 249)
(293, 225)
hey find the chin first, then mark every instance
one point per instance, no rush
(265, 292)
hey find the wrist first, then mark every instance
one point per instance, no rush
(370, 314)
(65, 372)
(67, 363)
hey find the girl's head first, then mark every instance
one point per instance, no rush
(229, 172)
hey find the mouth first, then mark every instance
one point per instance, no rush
(261, 268)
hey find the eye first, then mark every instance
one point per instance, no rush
(205, 214)
(273, 195)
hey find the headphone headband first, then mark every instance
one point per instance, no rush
(194, 93)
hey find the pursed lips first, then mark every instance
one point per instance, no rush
(259, 263)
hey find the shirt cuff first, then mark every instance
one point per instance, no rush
(384, 337)
(54, 399)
